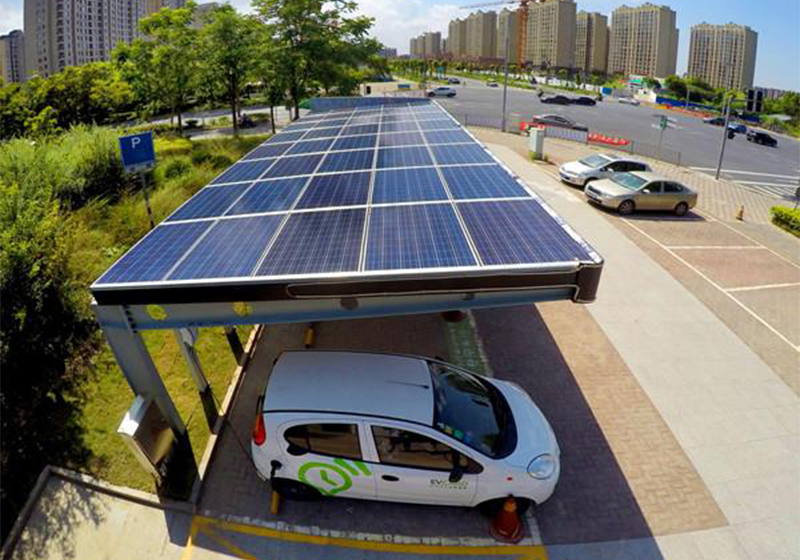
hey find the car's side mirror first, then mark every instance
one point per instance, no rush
(647, 191)
(296, 450)
(457, 473)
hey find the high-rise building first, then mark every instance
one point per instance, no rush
(202, 14)
(643, 41)
(76, 32)
(433, 44)
(12, 57)
(551, 34)
(457, 37)
(417, 47)
(482, 35)
(508, 34)
(388, 52)
(723, 55)
(591, 42)
(152, 6)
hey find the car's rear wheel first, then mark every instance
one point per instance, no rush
(626, 207)
(293, 490)
(681, 209)
(491, 508)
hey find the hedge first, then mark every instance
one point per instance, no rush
(786, 218)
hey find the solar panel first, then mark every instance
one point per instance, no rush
(481, 181)
(212, 256)
(269, 196)
(351, 195)
(416, 237)
(317, 242)
(408, 185)
(341, 189)
(211, 201)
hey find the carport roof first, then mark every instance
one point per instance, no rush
(373, 199)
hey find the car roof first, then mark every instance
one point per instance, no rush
(649, 176)
(386, 385)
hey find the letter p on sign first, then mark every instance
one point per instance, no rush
(138, 152)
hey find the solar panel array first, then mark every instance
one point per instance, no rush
(365, 190)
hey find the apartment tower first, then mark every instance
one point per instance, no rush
(591, 42)
(643, 41)
(433, 44)
(723, 55)
(482, 35)
(457, 38)
(12, 57)
(508, 33)
(551, 34)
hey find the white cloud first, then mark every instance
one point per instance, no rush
(396, 21)
(10, 15)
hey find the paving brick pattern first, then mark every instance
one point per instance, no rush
(624, 474)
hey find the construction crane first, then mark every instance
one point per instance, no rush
(522, 10)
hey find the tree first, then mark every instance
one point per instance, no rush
(676, 85)
(229, 47)
(273, 82)
(652, 83)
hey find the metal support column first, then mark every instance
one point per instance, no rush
(135, 362)
(186, 339)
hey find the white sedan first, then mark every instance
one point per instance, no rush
(442, 91)
(403, 429)
(598, 166)
(628, 100)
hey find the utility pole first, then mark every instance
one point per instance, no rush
(728, 100)
(505, 83)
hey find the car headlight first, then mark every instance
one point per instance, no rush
(542, 466)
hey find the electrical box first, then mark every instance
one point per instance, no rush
(148, 434)
(536, 142)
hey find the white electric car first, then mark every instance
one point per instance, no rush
(403, 429)
(597, 166)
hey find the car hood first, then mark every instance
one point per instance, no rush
(609, 187)
(575, 167)
(534, 434)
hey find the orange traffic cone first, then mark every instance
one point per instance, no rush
(507, 527)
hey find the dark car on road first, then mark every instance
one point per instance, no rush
(453, 81)
(738, 128)
(716, 121)
(761, 138)
(560, 121)
(583, 100)
(556, 99)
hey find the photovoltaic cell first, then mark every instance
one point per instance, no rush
(403, 157)
(243, 171)
(317, 242)
(310, 146)
(223, 254)
(334, 122)
(447, 136)
(354, 142)
(369, 119)
(461, 153)
(269, 196)
(211, 201)
(405, 126)
(322, 133)
(268, 151)
(299, 165)
(489, 181)
(284, 136)
(407, 185)
(347, 161)
(413, 237)
(342, 189)
(154, 256)
(401, 139)
(518, 232)
(438, 124)
(360, 129)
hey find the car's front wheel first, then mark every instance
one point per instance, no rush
(681, 209)
(293, 490)
(491, 508)
(626, 208)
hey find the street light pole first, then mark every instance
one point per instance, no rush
(729, 100)
(505, 83)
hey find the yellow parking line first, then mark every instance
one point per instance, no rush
(535, 552)
(225, 543)
(187, 550)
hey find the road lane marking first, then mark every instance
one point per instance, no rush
(764, 287)
(685, 247)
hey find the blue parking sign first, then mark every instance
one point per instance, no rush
(137, 151)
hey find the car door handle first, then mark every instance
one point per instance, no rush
(390, 478)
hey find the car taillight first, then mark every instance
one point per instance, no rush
(259, 430)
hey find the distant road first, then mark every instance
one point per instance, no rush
(774, 171)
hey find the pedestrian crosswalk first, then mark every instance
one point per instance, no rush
(784, 187)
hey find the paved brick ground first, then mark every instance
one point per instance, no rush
(624, 475)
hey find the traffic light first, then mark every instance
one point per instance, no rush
(755, 100)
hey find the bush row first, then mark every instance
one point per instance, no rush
(787, 218)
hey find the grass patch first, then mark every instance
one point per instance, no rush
(786, 218)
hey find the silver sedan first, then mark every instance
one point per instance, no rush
(639, 190)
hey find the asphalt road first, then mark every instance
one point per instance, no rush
(775, 171)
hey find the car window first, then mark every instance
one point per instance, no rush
(654, 187)
(672, 188)
(634, 166)
(338, 440)
(403, 448)
(617, 166)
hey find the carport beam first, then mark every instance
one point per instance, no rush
(183, 336)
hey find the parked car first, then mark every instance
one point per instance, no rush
(628, 100)
(442, 91)
(599, 166)
(453, 81)
(639, 190)
(533, 81)
(556, 99)
(716, 121)
(761, 138)
(492, 83)
(402, 429)
(583, 100)
(560, 121)
(738, 128)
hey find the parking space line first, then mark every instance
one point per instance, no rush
(187, 550)
(228, 545)
(210, 525)
(745, 172)
(763, 287)
(685, 247)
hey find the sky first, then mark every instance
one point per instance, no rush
(777, 23)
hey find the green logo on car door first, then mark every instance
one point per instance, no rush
(331, 479)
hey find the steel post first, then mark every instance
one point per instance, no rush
(186, 339)
(724, 137)
(505, 83)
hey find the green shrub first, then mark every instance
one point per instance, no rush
(199, 157)
(166, 147)
(176, 167)
(220, 161)
(786, 218)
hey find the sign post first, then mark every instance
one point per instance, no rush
(139, 156)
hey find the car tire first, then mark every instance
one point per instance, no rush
(626, 208)
(294, 490)
(491, 508)
(431, 94)
(681, 209)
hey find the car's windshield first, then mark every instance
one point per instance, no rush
(594, 161)
(468, 409)
(628, 180)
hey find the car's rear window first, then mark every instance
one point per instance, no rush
(336, 440)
